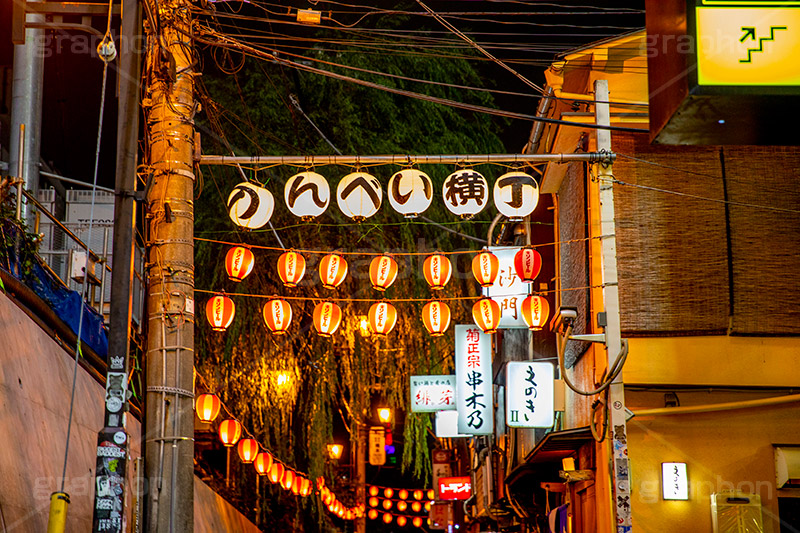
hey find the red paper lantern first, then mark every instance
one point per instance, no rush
(229, 432)
(417, 521)
(382, 318)
(416, 507)
(428, 506)
(417, 494)
(403, 494)
(402, 506)
(436, 318)
(387, 518)
(431, 494)
(372, 514)
(382, 272)
(373, 501)
(327, 316)
(535, 311)
(277, 316)
(373, 490)
(248, 449)
(220, 311)
(298, 481)
(288, 479)
(401, 521)
(486, 313)
(207, 407)
(332, 270)
(263, 463)
(527, 264)
(387, 504)
(291, 268)
(485, 267)
(387, 492)
(305, 489)
(276, 472)
(239, 263)
(437, 271)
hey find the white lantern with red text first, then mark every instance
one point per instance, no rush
(485, 267)
(220, 311)
(382, 318)
(382, 272)
(527, 264)
(486, 313)
(239, 263)
(436, 318)
(327, 316)
(277, 316)
(332, 270)
(535, 311)
(291, 267)
(437, 271)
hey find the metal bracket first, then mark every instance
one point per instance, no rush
(171, 390)
(592, 337)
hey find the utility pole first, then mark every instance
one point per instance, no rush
(619, 466)
(169, 359)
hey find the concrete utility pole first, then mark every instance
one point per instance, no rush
(169, 107)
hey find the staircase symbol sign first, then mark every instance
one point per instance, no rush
(750, 33)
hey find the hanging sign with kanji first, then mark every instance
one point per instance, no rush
(474, 398)
(465, 192)
(529, 394)
(433, 393)
(377, 445)
(446, 425)
(508, 290)
(516, 195)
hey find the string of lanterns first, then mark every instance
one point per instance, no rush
(401, 503)
(382, 316)
(208, 406)
(359, 196)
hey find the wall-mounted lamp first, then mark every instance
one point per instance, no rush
(674, 481)
(335, 451)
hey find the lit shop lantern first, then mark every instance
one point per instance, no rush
(486, 313)
(416, 507)
(307, 195)
(403, 494)
(387, 518)
(287, 481)
(528, 264)
(418, 494)
(388, 493)
(436, 318)
(417, 521)
(207, 407)
(437, 271)
(372, 514)
(291, 268)
(402, 521)
(373, 501)
(248, 449)
(410, 192)
(327, 316)
(387, 504)
(332, 270)
(402, 506)
(382, 318)
(485, 267)
(277, 316)
(382, 272)
(276, 472)
(229, 432)
(359, 195)
(220, 311)
(239, 263)
(263, 463)
(535, 311)
(516, 195)
(250, 206)
(465, 192)
(373, 491)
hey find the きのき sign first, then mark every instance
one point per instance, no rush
(529, 394)
(433, 393)
(474, 398)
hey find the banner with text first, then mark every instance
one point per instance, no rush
(474, 398)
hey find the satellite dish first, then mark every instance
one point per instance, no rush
(359, 195)
(410, 192)
(307, 195)
(250, 206)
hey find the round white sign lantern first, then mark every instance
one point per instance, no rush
(516, 194)
(410, 192)
(250, 206)
(307, 195)
(465, 192)
(359, 195)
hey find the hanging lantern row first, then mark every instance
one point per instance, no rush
(335, 506)
(403, 494)
(402, 520)
(359, 196)
(402, 505)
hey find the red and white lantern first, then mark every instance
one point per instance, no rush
(528, 264)
(327, 317)
(207, 407)
(277, 316)
(535, 312)
(276, 472)
(486, 313)
(220, 311)
(263, 463)
(436, 318)
(248, 449)
(239, 263)
(332, 270)
(485, 267)
(437, 271)
(382, 318)
(291, 268)
(287, 480)
(229, 432)
(382, 272)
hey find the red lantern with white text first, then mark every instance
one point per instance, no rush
(436, 318)
(239, 263)
(437, 271)
(277, 316)
(535, 311)
(527, 264)
(485, 267)
(327, 316)
(486, 313)
(332, 270)
(263, 463)
(276, 472)
(382, 318)
(248, 449)
(229, 432)
(291, 268)
(207, 407)
(382, 272)
(220, 311)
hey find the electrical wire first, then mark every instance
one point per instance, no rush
(613, 371)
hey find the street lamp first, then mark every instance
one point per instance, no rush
(335, 451)
(385, 415)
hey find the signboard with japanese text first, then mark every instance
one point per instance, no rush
(433, 393)
(455, 488)
(529, 394)
(377, 445)
(474, 398)
(446, 425)
(674, 482)
(508, 290)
